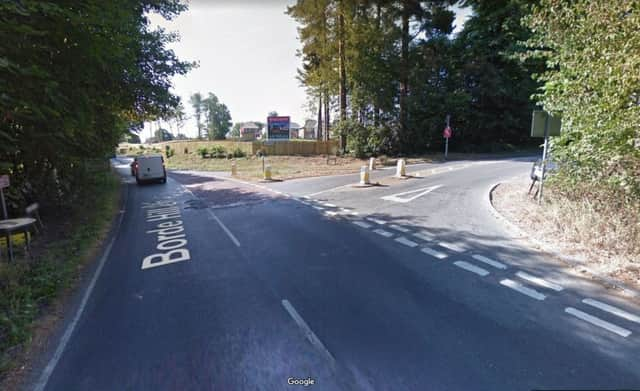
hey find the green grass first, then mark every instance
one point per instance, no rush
(28, 287)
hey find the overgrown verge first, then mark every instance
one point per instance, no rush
(596, 226)
(71, 238)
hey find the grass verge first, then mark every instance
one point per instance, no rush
(593, 227)
(29, 287)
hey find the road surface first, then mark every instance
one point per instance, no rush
(214, 284)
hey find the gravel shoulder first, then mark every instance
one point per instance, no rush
(564, 233)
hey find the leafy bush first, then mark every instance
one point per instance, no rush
(169, 151)
(364, 141)
(218, 151)
(203, 152)
(186, 151)
(239, 152)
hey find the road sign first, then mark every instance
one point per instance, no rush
(538, 123)
(447, 132)
(4, 181)
(278, 128)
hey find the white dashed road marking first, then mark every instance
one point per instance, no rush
(329, 205)
(362, 224)
(377, 221)
(433, 253)
(398, 228)
(330, 213)
(318, 207)
(539, 281)
(518, 287)
(489, 261)
(598, 322)
(406, 241)
(471, 268)
(614, 310)
(452, 247)
(426, 236)
(384, 233)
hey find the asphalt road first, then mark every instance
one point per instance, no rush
(410, 285)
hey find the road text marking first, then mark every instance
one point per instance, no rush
(406, 241)
(518, 287)
(614, 310)
(539, 281)
(311, 336)
(471, 268)
(598, 322)
(489, 261)
(421, 192)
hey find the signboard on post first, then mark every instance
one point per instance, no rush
(538, 122)
(278, 128)
(447, 132)
(544, 125)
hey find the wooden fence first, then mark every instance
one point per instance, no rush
(290, 147)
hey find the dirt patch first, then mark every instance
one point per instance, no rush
(573, 229)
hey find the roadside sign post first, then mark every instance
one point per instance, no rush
(544, 125)
(4, 182)
(447, 135)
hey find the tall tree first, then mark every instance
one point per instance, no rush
(196, 101)
(218, 118)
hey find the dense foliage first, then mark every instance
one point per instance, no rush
(396, 70)
(593, 50)
(74, 77)
(217, 119)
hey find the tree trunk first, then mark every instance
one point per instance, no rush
(319, 135)
(327, 119)
(343, 75)
(404, 73)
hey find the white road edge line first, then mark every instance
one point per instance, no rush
(598, 322)
(539, 281)
(224, 228)
(330, 205)
(472, 268)
(518, 287)
(311, 336)
(406, 242)
(384, 233)
(64, 340)
(362, 224)
(433, 253)
(489, 261)
(377, 221)
(614, 310)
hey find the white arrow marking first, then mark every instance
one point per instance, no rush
(421, 192)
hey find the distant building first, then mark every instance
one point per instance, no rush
(309, 129)
(249, 131)
(294, 130)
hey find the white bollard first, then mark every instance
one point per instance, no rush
(401, 168)
(372, 164)
(267, 172)
(234, 168)
(364, 175)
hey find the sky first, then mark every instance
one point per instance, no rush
(246, 50)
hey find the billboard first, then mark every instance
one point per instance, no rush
(278, 128)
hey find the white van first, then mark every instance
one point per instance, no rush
(150, 168)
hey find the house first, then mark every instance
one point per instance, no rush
(249, 131)
(309, 129)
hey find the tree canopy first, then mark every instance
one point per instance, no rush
(74, 77)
